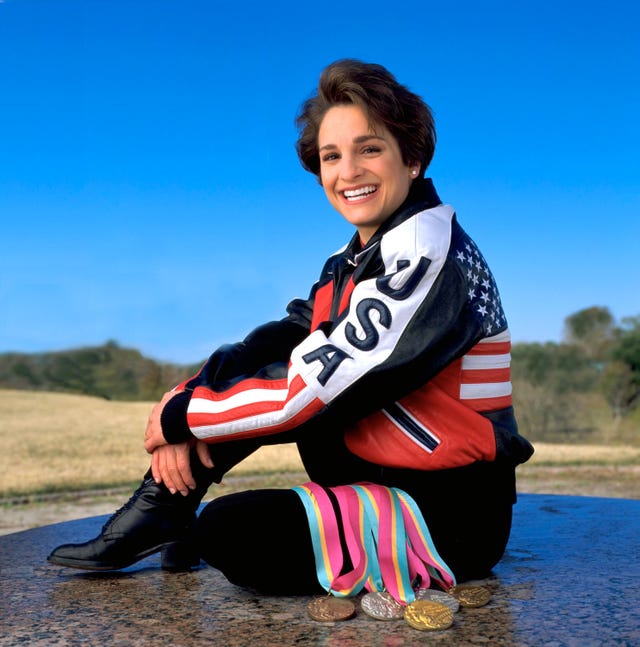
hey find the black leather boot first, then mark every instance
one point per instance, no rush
(153, 520)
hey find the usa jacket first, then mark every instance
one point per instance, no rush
(403, 343)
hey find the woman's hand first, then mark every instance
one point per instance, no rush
(153, 436)
(170, 465)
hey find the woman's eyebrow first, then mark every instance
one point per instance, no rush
(357, 140)
(366, 138)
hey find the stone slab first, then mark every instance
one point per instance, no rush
(570, 577)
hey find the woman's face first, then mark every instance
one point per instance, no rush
(361, 171)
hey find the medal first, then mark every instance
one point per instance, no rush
(438, 596)
(426, 615)
(381, 606)
(471, 596)
(330, 609)
(390, 552)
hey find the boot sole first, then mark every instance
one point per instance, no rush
(175, 558)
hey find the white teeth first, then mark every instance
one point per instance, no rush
(359, 193)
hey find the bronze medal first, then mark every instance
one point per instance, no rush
(381, 606)
(330, 609)
(438, 596)
(426, 615)
(470, 595)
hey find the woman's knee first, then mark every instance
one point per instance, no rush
(259, 539)
(216, 527)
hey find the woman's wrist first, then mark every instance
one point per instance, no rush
(173, 419)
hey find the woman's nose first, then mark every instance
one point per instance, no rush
(350, 168)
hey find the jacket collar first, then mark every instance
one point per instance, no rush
(422, 195)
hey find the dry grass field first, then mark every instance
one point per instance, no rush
(56, 443)
(53, 442)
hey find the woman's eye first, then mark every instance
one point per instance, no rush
(371, 149)
(329, 157)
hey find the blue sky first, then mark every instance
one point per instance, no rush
(149, 187)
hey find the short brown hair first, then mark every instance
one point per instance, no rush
(385, 101)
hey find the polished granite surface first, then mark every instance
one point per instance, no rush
(570, 577)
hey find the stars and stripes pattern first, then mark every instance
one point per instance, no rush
(485, 376)
(482, 292)
(486, 368)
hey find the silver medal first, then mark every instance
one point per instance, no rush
(381, 606)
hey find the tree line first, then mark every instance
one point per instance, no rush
(586, 385)
(108, 371)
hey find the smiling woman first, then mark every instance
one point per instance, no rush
(361, 169)
(392, 377)
(365, 147)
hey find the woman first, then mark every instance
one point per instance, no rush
(395, 371)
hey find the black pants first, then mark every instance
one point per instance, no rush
(260, 539)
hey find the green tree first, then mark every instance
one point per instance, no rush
(552, 385)
(621, 377)
(562, 368)
(592, 330)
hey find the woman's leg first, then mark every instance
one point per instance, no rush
(260, 539)
(467, 509)
(468, 512)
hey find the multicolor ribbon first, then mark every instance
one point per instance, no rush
(391, 543)
(326, 543)
(387, 539)
(369, 535)
(422, 545)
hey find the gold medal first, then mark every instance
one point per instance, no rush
(330, 609)
(426, 615)
(471, 596)
(381, 606)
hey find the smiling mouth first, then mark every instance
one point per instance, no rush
(354, 195)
